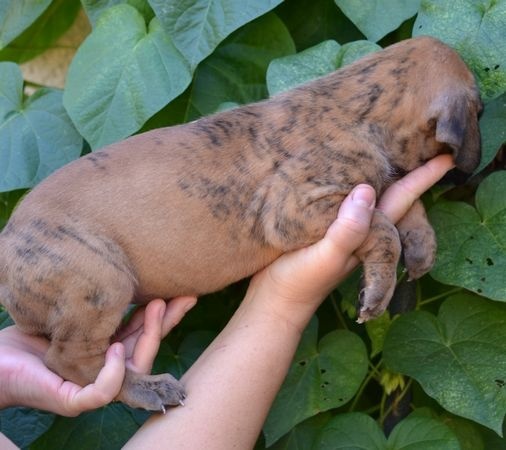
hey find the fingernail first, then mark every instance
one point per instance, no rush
(364, 196)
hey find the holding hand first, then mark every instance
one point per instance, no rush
(26, 381)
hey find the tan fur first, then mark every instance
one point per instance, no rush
(192, 208)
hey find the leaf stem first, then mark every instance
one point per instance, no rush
(338, 312)
(439, 296)
(372, 374)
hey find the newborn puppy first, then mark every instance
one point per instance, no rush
(189, 209)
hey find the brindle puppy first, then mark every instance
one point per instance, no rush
(190, 209)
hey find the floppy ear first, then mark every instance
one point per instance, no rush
(457, 126)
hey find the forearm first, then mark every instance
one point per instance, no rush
(233, 384)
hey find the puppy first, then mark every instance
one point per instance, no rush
(189, 209)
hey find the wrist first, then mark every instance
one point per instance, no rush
(271, 301)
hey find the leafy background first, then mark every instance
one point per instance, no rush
(431, 377)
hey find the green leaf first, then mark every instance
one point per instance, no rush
(477, 30)
(377, 330)
(17, 15)
(236, 70)
(121, 75)
(377, 18)
(43, 33)
(458, 357)
(352, 51)
(36, 135)
(198, 26)
(493, 130)
(24, 425)
(5, 319)
(472, 242)
(94, 8)
(104, 429)
(351, 431)
(303, 435)
(322, 20)
(290, 71)
(358, 431)
(323, 376)
(190, 349)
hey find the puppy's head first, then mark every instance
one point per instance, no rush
(454, 108)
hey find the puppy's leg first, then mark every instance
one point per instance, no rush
(418, 241)
(78, 346)
(380, 255)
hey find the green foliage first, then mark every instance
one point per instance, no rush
(460, 350)
(152, 63)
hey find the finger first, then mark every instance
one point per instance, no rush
(176, 310)
(131, 327)
(105, 388)
(347, 233)
(148, 342)
(399, 197)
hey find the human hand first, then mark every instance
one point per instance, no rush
(297, 282)
(26, 381)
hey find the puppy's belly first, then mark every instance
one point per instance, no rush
(174, 272)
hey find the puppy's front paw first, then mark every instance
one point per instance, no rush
(374, 298)
(151, 392)
(419, 251)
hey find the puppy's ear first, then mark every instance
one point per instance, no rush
(457, 126)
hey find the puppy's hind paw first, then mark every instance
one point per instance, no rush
(151, 392)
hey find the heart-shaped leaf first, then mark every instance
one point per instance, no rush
(198, 26)
(36, 135)
(122, 74)
(477, 30)
(17, 15)
(324, 375)
(359, 431)
(458, 357)
(376, 18)
(472, 242)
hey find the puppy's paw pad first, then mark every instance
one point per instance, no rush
(152, 392)
(371, 304)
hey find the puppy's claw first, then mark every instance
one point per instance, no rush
(163, 409)
(181, 402)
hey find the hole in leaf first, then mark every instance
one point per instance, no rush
(340, 399)
(496, 66)
(322, 371)
(487, 69)
(483, 279)
(490, 262)
(500, 383)
(479, 291)
(469, 260)
(302, 363)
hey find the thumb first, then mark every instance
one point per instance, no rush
(350, 228)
